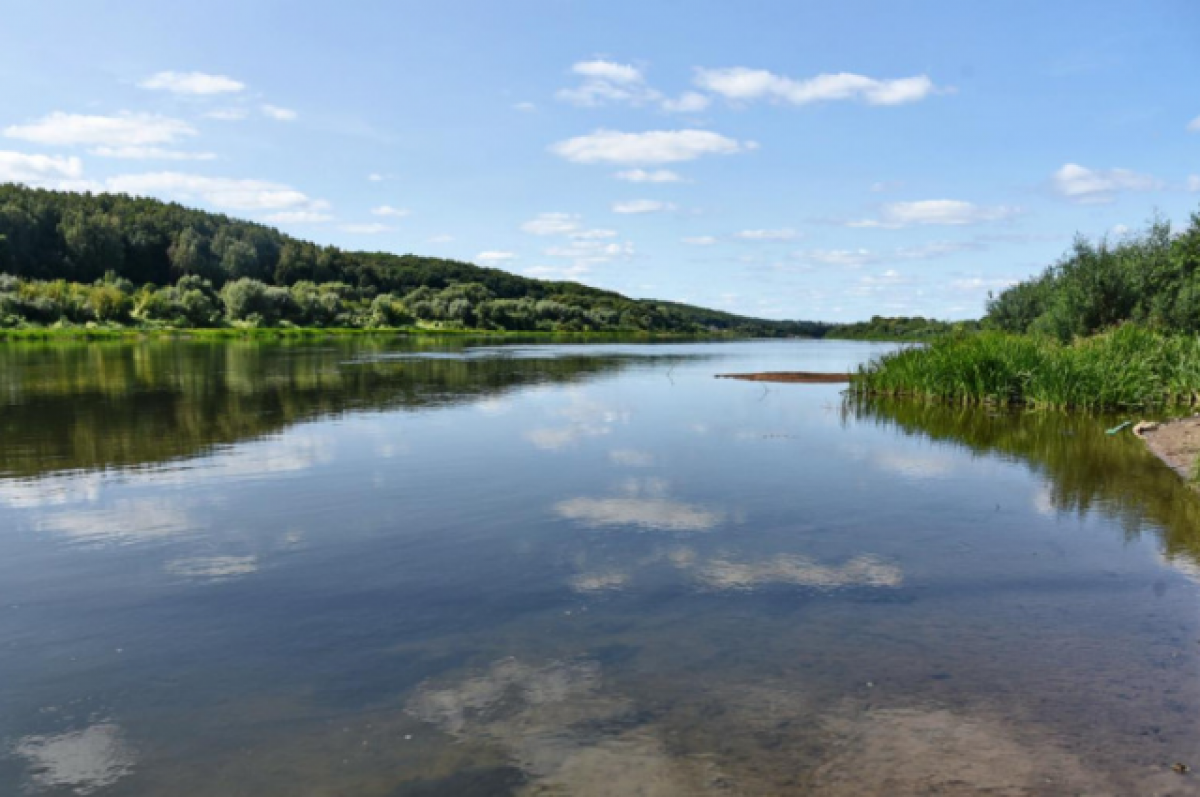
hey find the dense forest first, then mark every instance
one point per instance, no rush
(111, 259)
(1151, 278)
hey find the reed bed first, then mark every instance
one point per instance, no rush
(1129, 366)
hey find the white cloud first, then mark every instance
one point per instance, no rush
(592, 252)
(365, 228)
(1194, 125)
(1096, 186)
(854, 258)
(1194, 182)
(495, 257)
(388, 210)
(641, 206)
(740, 83)
(936, 212)
(223, 192)
(847, 258)
(651, 147)
(567, 225)
(375, 177)
(700, 240)
(608, 82)
(279, 114)
(526, 107)
(123, 130)
(608, 70)
(441, 239)
(887, 278)
(192, 83)
(688, 102)
(978, 284)
(785, 234)
(151, 153)
(298, 217)
(227, 114)
(652, 176)
(552, 224)
(38, 170)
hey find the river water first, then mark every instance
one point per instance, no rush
(378, 567)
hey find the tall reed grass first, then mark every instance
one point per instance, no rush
(1129, 366)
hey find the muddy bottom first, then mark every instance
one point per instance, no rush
(797, 377)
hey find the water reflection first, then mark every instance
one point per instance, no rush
(1083, 469)
(83, 761)
(95, 406)
(560, 571)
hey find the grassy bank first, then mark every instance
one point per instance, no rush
(1127, 367)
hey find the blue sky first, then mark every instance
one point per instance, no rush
(780, 159)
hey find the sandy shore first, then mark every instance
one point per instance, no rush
(1176, 443)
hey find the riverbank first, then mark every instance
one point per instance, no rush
(1177, 443)
(1125, 368)
(99, 333)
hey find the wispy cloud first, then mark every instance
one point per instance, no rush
(121, 130)
(784, 234)
(279, 114)
(389, 211)
(744, 84)
(494, 256)
(38, 170)
(651, 176)
(224, 192)
(651, 147)
(365, 228)
(950, 212)
(637, 206)
(200, 83)
(1098, 186)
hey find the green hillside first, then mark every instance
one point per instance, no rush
(112, 259)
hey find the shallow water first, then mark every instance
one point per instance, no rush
(386, 568)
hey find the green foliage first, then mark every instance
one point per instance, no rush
(899, 328)
(1130, 366)
(251, 275)
(1152, 278)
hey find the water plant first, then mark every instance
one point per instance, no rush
(1129, 366)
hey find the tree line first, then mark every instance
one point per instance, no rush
(1151, 277)
(81, 258)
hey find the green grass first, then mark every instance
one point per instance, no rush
(1127, 367)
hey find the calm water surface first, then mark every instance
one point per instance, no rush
(387, 568)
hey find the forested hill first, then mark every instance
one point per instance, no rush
(163, 263)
